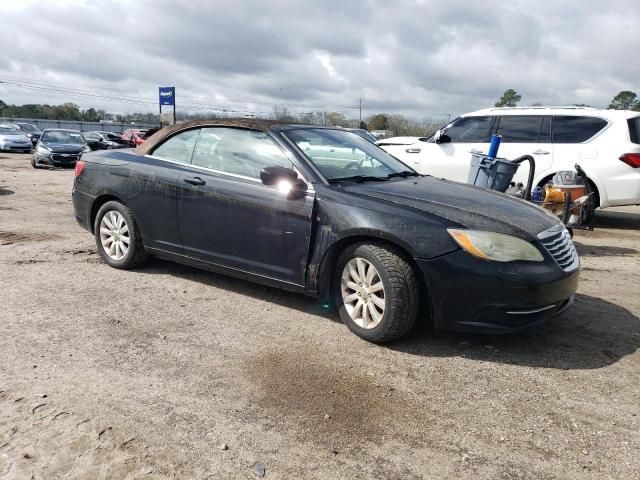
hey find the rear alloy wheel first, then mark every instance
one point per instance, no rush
(376, 290)
(117, 236)
(114, 235)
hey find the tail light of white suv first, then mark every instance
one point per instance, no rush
(631, 159)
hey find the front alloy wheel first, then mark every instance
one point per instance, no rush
(376, 290)
(363, 293)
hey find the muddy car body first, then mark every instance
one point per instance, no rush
(389, 246)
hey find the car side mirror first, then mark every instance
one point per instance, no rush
(441, 137)
(284, 179)
(273, 175)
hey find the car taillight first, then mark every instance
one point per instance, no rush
(631, 159)
(79, 167)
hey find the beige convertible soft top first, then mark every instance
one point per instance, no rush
(156, 138)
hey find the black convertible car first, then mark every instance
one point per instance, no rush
(104, 140)
(324, 212)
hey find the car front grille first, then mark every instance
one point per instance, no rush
(66, 157)
(558, 243)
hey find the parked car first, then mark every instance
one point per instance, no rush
(134, 137)
(59, 147)
(115, 137)
(606, 144)
(13, 140)
(104, 140)
(149, 133)
(388, 245)
(30, 130)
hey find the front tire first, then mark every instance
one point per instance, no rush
(376, 291)
(33, 162)
(118, 237)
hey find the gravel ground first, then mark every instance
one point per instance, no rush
(172, 372)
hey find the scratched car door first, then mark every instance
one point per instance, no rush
(228, 217)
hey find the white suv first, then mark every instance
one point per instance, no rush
(605, 143)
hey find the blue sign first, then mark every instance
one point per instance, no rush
(167, 95)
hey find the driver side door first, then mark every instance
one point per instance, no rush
(228, 217)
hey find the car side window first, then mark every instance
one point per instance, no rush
(575, 129)
(238, 151)
(634, 129)
(545, 130)
(178, 148)
(470, 130)
(519, 128)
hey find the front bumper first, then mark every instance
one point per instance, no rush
(16, 148)
(472, 295)
(57, 160)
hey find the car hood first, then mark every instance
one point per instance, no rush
(14, 138)
(64, 147)
(462, 204)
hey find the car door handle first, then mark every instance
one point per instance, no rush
(195, 181)
(475, 150)
(541, 152)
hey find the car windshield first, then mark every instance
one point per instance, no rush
(366, 135)
(345, 156)
(27, 127)
(62, 136)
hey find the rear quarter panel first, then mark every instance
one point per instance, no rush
(147, 186)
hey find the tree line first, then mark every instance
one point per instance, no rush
(396, 123)
(70, 111)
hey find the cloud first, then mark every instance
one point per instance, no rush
(423, 59)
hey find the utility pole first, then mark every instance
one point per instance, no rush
(360, 113)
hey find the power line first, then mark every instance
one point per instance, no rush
(140, 97)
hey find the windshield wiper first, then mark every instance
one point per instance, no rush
(359, 179)
(404, 174)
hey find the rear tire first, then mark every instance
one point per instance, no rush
(33, 162)
(376, 291)
(118, 237)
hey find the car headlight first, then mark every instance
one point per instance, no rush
(43, 150)
(495, 246)
(86, 149)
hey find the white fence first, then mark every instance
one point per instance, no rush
(43, 123)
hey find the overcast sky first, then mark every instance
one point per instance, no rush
(422, 58)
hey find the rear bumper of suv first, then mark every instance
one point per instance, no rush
(472, 295)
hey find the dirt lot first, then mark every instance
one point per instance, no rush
(171, 372)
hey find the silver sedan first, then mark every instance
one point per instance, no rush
(12, 140)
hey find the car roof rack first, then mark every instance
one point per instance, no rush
(547, 107)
